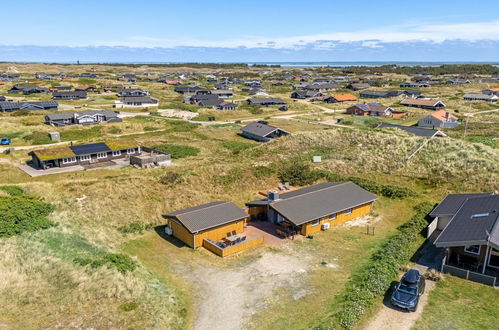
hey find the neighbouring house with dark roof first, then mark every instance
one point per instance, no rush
(262, 132)
(370, 94)
(68, 95)
(266, 101)
(28, 105)
(305, 94)
(223, 93)
(470, 236)
(89, 117)
(129, 92)
(491, 91)
(27, 90)
(205, 100)
(82, 155)
(189, 89)
(212, 221)
(315, 208)
(2, 98)
(9, 77)
(136, 101)
(414, 84)
(373, 109)
(439, 118)
(358, 86)
(458, 82)
(423, 103)
(227, 106)
(480, 97)
(418, 131)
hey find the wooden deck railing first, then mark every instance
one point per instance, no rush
(223, 252)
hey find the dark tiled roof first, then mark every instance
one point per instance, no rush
(424, 132)
(314, 202)
(452, 202)
(475, 223)
(207, 216)
(90, 148)
(259, 129)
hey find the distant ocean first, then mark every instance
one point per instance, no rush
(372, 64)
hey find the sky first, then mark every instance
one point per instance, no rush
(223, 30)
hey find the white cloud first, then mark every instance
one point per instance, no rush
(371, 38)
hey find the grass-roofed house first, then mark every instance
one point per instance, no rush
(83, 154)
(315, 208)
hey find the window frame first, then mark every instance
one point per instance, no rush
(316, 222)
(472, 252)
(348, 211)
(99, 155)
(85, 158)
(130, 151)
(116, 153)
(69, 160)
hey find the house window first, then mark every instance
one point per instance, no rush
(69, 160)
(116, 153)
(315, 222)
(130, 151)
(349, 211)
(101, 155)
(473, 249)
(332, 217)
(85, 158)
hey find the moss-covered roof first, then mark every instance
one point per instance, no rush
(54, 153)
(122, 144)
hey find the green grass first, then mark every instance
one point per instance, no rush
(237, 146)
(459, 304)
(177, 151)
(78, 134)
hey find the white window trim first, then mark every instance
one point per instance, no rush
(101, 155)
(315, 222)
(69, 160)
(85, 158)
(492, 252)
(349, 211)
(130, 151)
(116, 153)
(471, 252)
(333, 217)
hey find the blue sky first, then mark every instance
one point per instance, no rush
(300, 27)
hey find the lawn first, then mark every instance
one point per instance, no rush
(459, 304)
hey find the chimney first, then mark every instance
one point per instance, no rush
(446, 115)
(272, 195)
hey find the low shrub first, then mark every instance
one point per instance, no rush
(375, 277)
(23, 213)
(119, 261)
(171, 178)
(262, 171)
(177, 151)
(132, 228)
(129, 306)
(234, 175)
(12, 190)
(38, 138)
(21, 113)
(297, 173)
(237, 146)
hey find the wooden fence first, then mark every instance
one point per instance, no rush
(223, 252)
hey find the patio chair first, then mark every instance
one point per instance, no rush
(280, 186)
(287, 186)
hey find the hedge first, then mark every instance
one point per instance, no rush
(375, 277)
(389, 191)
(21, 213)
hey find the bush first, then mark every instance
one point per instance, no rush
(389, 191)
(170, 178)
(262, 171)
(234, 175)
(255, 110)
(12, 190)
(22, 213)
(132, 228)
(130, 306)
(177, 151)
(20, 113)
(297, 174)
(237, 146)
(375, 277)
(121, 262)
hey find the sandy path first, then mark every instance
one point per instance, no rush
(226, 298)
(389, 318)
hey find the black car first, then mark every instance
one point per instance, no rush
(407, 292)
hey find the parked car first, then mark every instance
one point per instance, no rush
(5, 142)
(407, 292)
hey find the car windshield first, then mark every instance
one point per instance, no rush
(407, 289)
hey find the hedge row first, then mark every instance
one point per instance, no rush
(375, 277)
(389, 191)
(20, 213)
